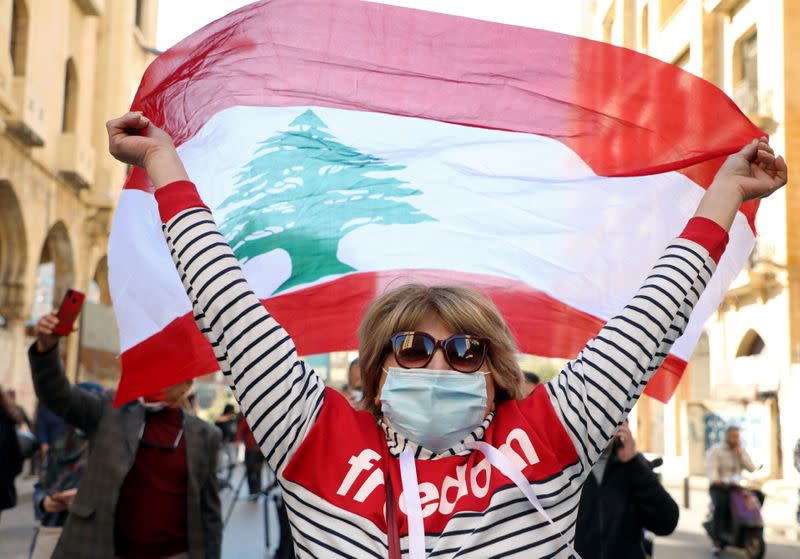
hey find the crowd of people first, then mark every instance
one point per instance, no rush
(622, 503)
(439, 444)
(623, 484)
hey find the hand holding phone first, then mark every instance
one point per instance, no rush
(68, 312)
(625, 444)
(45, 338)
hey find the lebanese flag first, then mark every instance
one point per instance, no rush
(348, 147)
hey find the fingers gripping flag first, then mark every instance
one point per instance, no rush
(346, 147)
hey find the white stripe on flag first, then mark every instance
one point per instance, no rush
(517, 206)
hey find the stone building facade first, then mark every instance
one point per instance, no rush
(745, 369)
(66, 67)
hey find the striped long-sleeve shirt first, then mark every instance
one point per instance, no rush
(333, 463)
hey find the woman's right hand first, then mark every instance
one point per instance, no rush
(134, 140)
(45, 338)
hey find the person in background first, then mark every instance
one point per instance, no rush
(25, 433)
(724, 463)
(10, 454)
(192, 403)
(66, 452)
(253, 459)
(532, 380)
(227, 423)
(797, 467)
(149, 488)
(49, 428)
(23, 421)
(620, 499)
(354, 389)
(797, 456)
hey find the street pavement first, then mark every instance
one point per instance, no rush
(16, 525)
(244, 536)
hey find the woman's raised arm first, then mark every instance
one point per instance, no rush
(595, 391)
(279, 395)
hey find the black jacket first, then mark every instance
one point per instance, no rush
(611, 515)
(10, 461)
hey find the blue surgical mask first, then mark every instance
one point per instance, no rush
(436, 409)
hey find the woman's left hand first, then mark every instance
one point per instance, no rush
(754, 171)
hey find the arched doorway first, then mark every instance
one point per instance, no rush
(752, 365)
(13, 255)
(99, 291)
(99, 341)
(56, 271)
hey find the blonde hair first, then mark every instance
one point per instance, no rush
(462, 310)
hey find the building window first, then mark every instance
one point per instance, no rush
(745, 73)
(668, 9)
(682, 60)
(700, 369)
(139, 18)
(70, 98)
(608, 23)
(751, 344)
(645, 29)
(737, 7)
(19, 37)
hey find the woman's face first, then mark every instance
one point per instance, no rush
(433, 325)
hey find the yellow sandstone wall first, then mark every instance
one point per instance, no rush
(57, 185)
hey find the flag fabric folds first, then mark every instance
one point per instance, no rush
(346, 147)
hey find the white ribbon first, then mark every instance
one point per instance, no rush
(502, 463)
(413, 505)
(416, 526)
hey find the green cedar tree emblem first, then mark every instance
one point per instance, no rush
(303, 191)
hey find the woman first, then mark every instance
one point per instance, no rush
(459, 464)
(10, 453)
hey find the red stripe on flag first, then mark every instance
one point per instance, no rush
(542, 326)
(622, 112)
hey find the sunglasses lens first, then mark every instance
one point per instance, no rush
(465, 353)
(412, 350)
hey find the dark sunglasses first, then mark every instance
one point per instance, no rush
(463, 352)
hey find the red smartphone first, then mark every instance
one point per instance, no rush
(68, 312)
